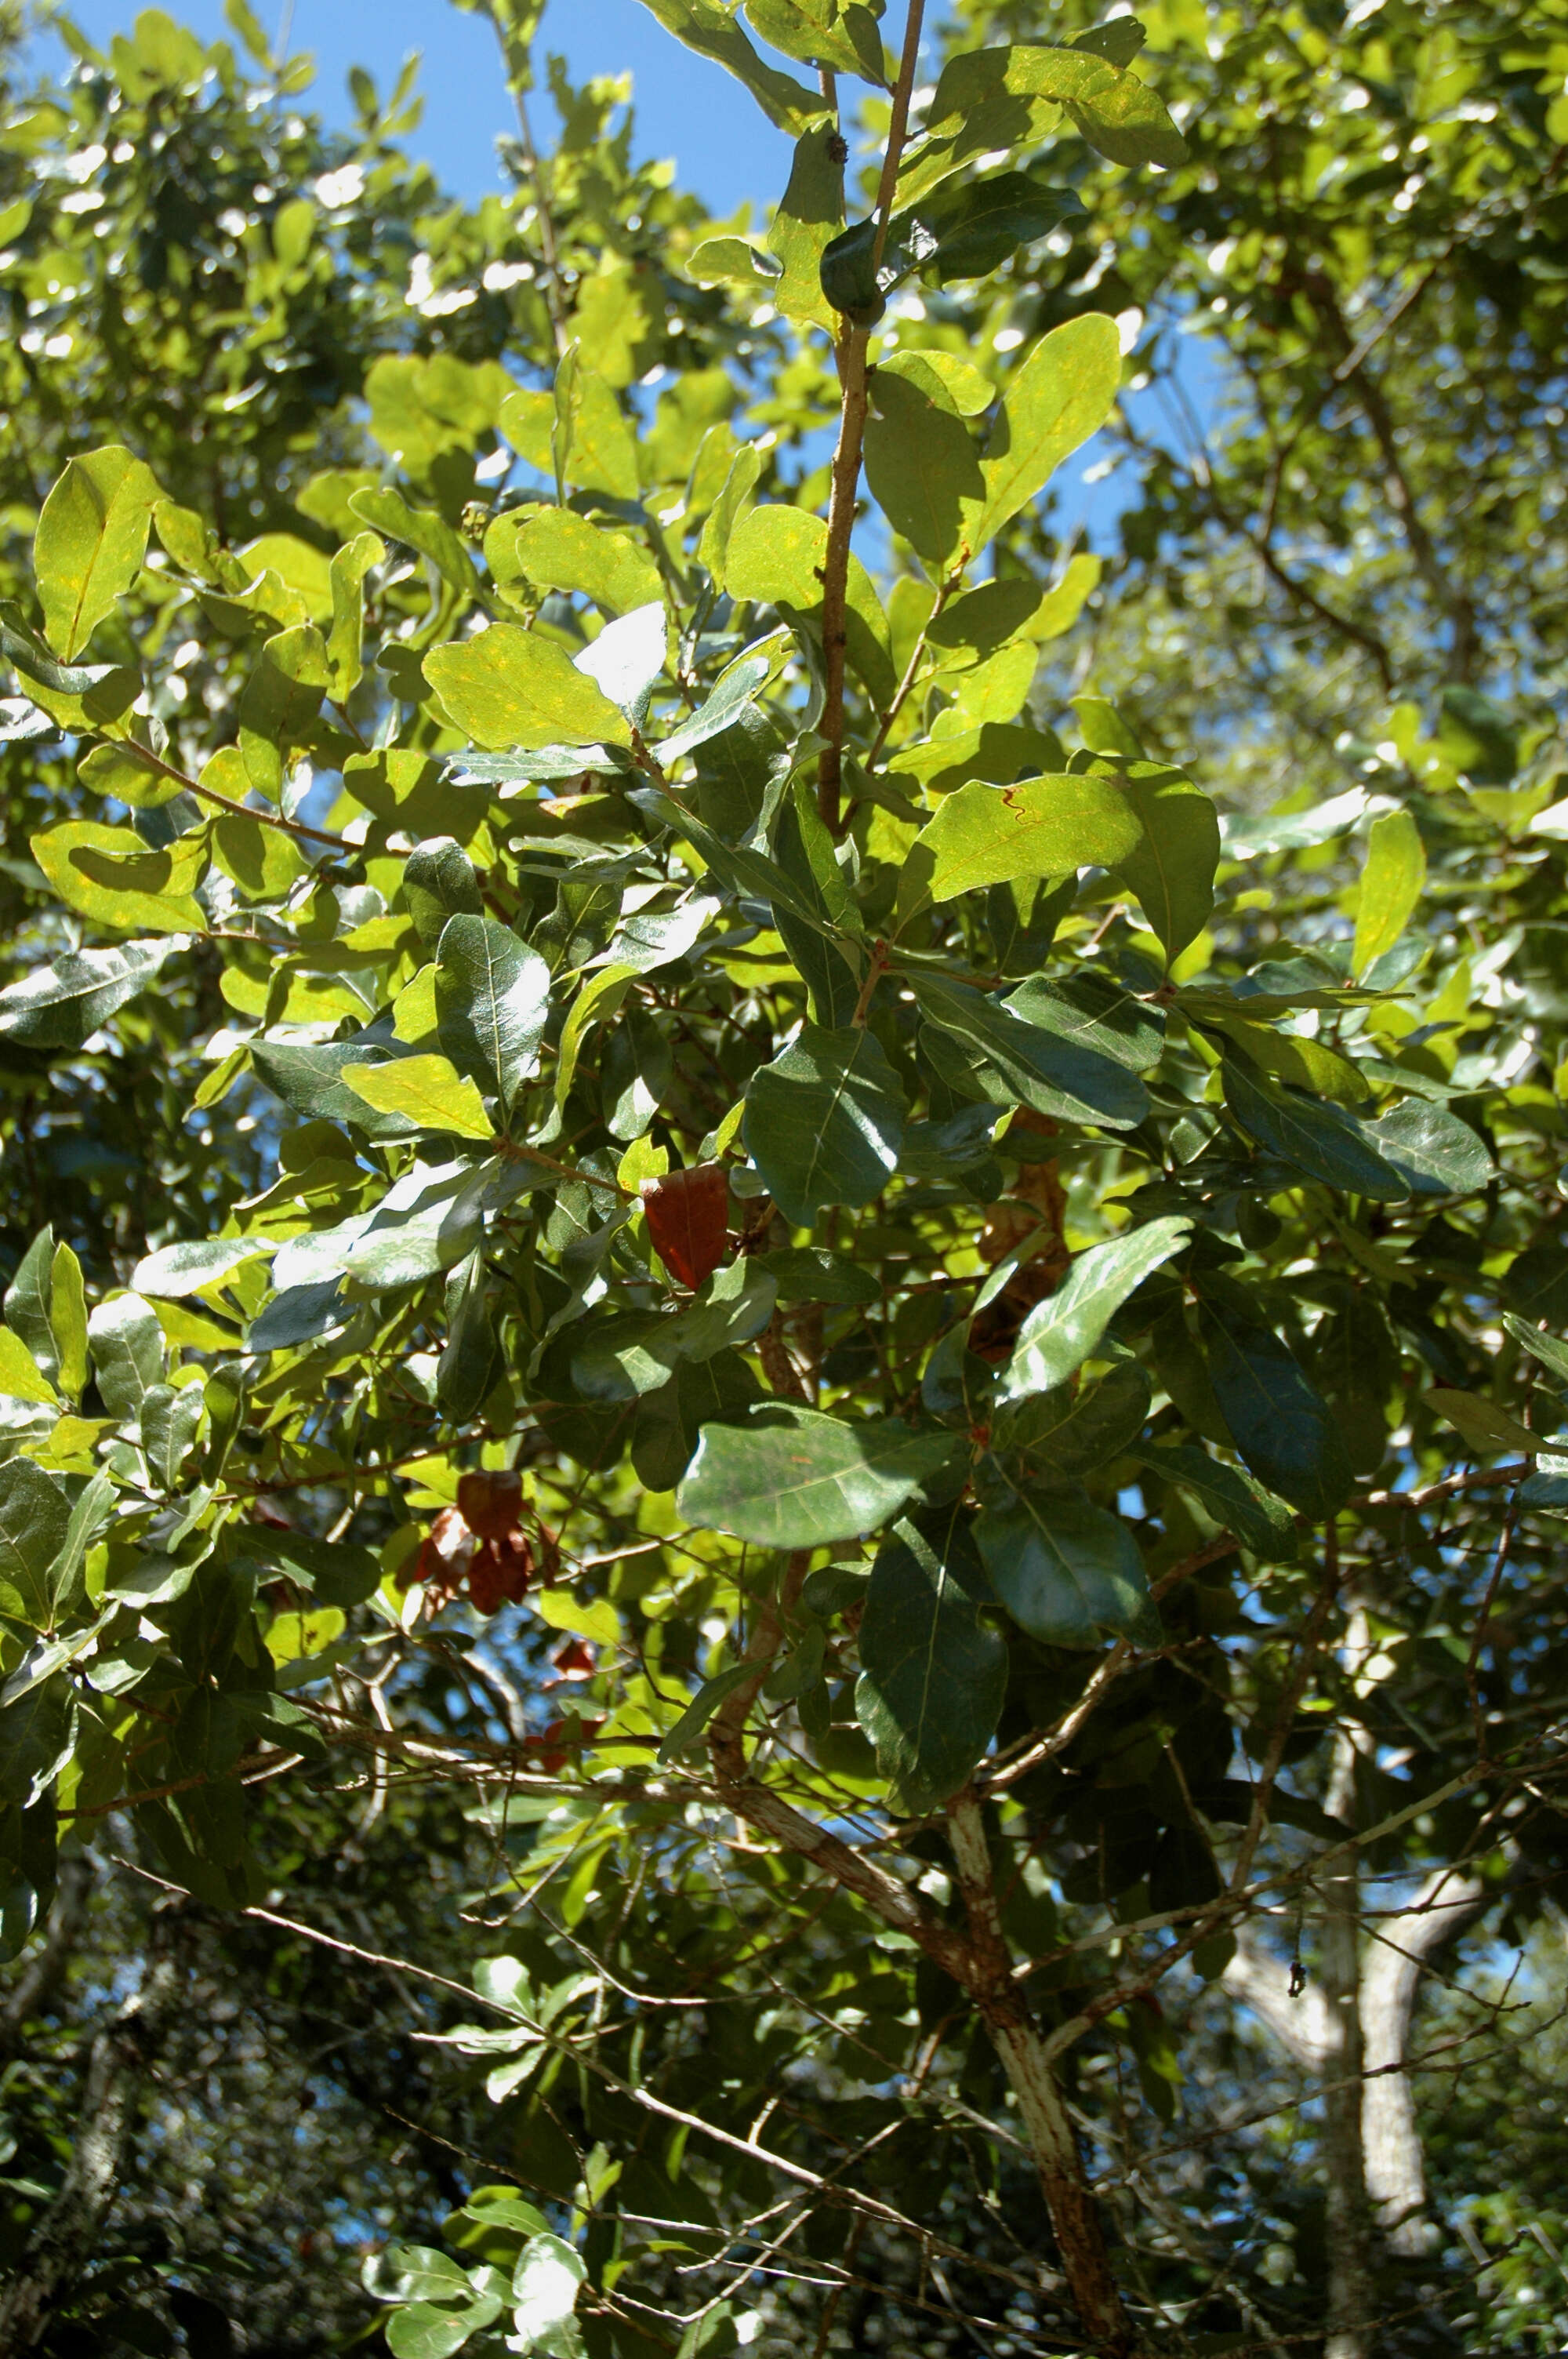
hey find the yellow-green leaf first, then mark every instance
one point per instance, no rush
(810, 212)
(776, 554)
(429, 1089)
(1390, 886)
(92, 538)
(556, 548)
(68, 1320)
(508, 687)
(1042, 827)
(111, 876)
(20, 1375)
(1063, 394)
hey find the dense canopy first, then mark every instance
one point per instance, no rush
(784, 1394)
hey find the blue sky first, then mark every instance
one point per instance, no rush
(687, 107)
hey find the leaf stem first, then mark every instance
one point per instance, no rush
(241, 810)
(901, 694)
(853, 402)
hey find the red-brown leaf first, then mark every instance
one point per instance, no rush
(689, 1221)
(499, 1573)
(489, 1504)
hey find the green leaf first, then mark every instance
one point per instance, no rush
(824, 1122)
(1391, 885)
(733, 501)
(1006, 98)
(111, 876)
(952, 383)
(851, 280)
(427, 1090)
(1431, 1149)
(310, 1080)
(68, 1321)
(1319, 1140)
(125, 772)
(803, 1274)
(338, 1572)
(62, 1006)
(127, 1353)
(1040, 827)
(1485, 1426)
(1125, 123)
(423, 2332)
(1548, 1349)
(732, 262)
(984, 1048)
(346, 583)
(28, 1302)
(933, 1674)
(923, 467)
(556, 548)
(281, 704)
(733, 693)
(1263, 1524)
(492, 996)
(776, 556)
(92, 538)
(637, 1352)
(1171, 869)
(978, 228)
(1069, 1432)
(1061, 1333)
(195, 1263)
(421, 528)
(1064, 1569)
(1063, 394)
(686, 1734)
(810, 214)
(439, 884)
(1280, 1422)
(469, 1364)
(511, 687)
(1096, 1013)
(544, 2285)
(171, 1417)
(791, 1478)
(840, 34)
(35, 1516)
(710, 28)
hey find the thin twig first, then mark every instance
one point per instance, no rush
(846, 475)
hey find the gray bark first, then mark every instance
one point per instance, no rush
(1332, 2037)
(61, 2247)
(1396, 2179)
(1352, 2291)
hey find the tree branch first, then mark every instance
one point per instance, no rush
(846, 475)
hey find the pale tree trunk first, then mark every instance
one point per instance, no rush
(1351, 2286)
(1396, 2179)
(1354, 2022)
(61, 2247)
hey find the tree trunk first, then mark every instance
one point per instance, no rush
(1396, 2179)
(1074, 2216)
(1351, 2291)
(61, 2247)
